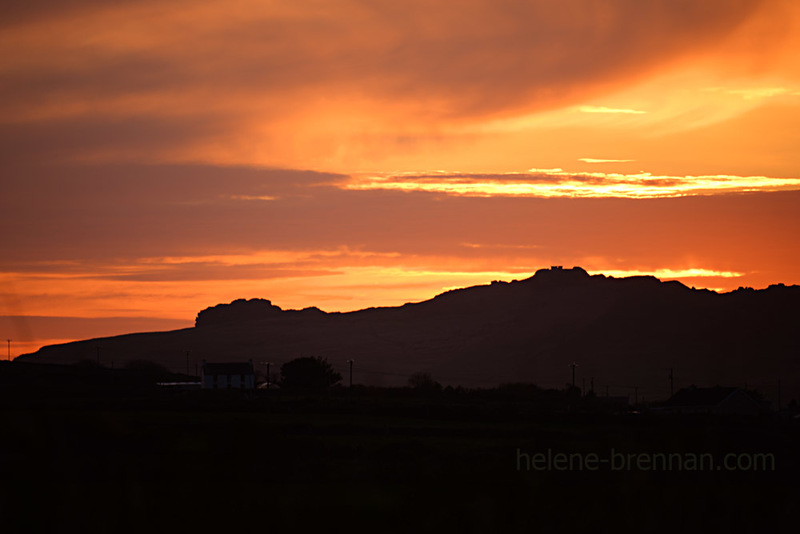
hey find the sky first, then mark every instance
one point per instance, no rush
(160, 157)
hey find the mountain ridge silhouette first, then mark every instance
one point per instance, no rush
(624, 333)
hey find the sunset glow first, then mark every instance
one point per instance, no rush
(162, 157)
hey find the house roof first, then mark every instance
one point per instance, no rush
(228, 368)
(694, 396)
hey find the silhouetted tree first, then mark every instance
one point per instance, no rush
(308, 372)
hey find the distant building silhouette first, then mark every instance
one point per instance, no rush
(716, 400)
(233, 375)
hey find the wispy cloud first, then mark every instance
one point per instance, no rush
(671, 274)
(756, 93)
(557, 183)
(602, 109)
(596, 160)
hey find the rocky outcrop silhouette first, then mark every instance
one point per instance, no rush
(238, 311)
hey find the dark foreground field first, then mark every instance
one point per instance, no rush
(383, 462)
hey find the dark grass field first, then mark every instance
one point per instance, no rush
(372, 460)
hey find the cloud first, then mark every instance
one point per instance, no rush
(754, 93)
(75, 212)
(595, 160)
(68, 216)
(556, 183)
(37, 327)
(601, 109)
(209, 272)
(179, 242)
(671, 274)
(248, 80)
(763, 92)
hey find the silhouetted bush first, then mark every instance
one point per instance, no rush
(424, 382)
(308, 373)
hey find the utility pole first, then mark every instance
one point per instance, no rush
(351, 372)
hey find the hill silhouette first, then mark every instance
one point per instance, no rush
(625, 334)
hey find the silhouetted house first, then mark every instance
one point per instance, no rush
(716, 400)
(233, 375)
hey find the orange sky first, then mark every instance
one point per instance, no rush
(162, 157)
